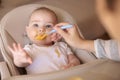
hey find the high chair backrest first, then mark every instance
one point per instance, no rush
(12, 29)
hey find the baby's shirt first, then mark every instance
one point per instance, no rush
(47, 59)
(107, 49)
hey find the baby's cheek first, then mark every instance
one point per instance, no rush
(33, 34)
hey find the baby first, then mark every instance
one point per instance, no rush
(43, 55)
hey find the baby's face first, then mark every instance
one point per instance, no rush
(40, 23)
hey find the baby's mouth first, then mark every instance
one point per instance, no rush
(41, 36)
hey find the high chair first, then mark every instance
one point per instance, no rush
(12, 29)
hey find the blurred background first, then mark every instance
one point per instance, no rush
(83, 11)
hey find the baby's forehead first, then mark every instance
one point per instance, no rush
(43, 15)
(43, 12)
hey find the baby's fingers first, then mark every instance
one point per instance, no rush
(22, 51)
(15, 47)
(11, 50)
(66, 66)
(19, 47)
(30, 60)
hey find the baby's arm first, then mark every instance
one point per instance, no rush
(72, 61)
(20, 56)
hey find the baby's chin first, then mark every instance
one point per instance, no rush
(43, 42)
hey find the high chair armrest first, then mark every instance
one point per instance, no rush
(89, 71)
(4, 72)
(101, 69)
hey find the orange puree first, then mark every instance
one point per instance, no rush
(41, 37)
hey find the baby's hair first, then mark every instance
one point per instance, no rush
(46, 9)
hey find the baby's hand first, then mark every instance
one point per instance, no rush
(68, 66)
(72, 61)
(21, 57)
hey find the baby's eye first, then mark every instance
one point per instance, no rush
(48, 26)
(35, 25)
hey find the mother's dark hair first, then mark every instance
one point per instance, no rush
(111, 4)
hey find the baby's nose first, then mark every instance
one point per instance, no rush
(41, 30)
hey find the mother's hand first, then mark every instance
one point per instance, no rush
(71, 35)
